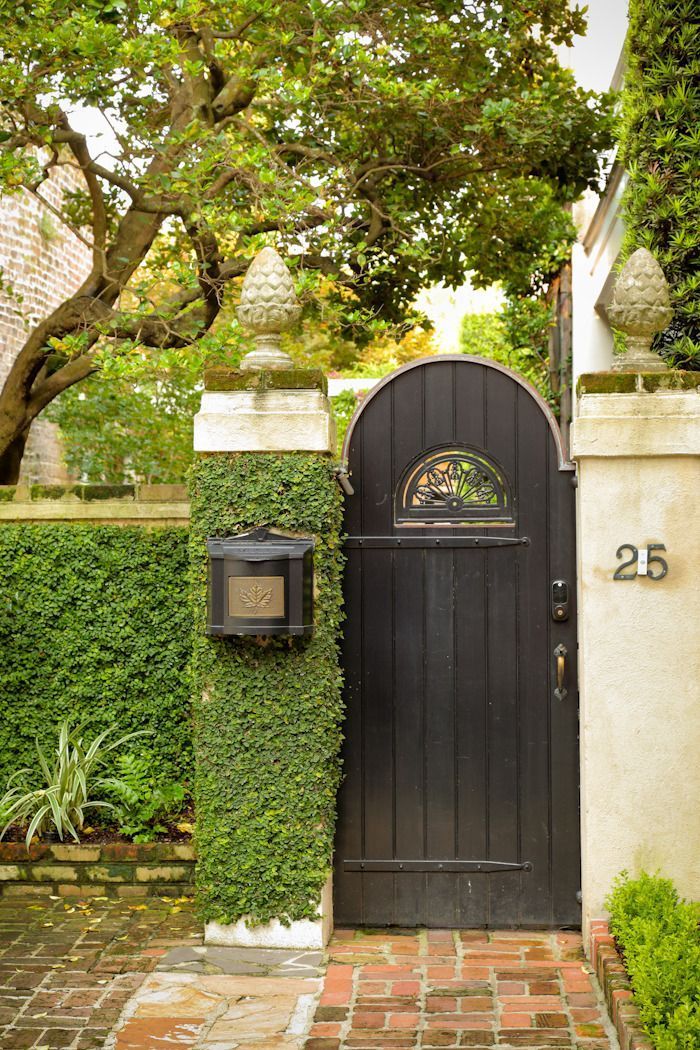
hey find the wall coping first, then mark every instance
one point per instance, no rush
(629, 420)
(98, 504)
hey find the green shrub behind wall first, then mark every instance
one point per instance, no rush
(660, 147)
(267, 724)
(93, 624)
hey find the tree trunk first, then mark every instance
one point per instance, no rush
(11, 459)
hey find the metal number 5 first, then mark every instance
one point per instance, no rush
(656, 560)
(619, 574)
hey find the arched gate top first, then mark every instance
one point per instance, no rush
(564, 462)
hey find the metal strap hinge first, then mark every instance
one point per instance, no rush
(483, 866)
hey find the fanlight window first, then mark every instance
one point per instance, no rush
(453, 486)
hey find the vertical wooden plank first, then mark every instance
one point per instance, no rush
(534, 693)
(377, 649)
(439, 429)
(347, 887)
(375, 482)
(503, 731)
(439, 733)
(471, 732)
(439, 403)
(409, 741)
(469, 404)
(501, 433)
(378, 732)
(372, 475)
(407, 430)
(502, 627)
(352, 505)
(566, 834)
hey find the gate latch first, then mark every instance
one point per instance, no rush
(343, 479)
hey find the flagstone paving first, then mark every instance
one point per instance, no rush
(441, 988)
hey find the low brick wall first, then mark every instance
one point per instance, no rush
(117, 869)
(617, 989)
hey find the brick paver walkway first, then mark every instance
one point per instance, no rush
(439, 988)
(68, 967)
(78, 974)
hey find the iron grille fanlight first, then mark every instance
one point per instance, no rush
(455, 486)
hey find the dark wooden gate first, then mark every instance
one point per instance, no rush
(460, 800)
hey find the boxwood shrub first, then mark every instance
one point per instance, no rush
(660, 940)
(95, 625)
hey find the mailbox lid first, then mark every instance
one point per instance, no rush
(260, 545)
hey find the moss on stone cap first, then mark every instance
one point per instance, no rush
(636, 382)
(268, 379)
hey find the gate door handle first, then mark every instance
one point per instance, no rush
(560, 654)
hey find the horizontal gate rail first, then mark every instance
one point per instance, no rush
(485, 866)
(437, 541)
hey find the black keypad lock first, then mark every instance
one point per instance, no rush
(560, 600)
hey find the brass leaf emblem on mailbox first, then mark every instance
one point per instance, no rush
(256, 597)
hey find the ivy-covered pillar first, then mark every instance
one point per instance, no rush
(267, 710)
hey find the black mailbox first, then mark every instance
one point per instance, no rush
(260, 583)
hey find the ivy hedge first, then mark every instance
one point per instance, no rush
(93, 626)
(660, 147)
(267, 712)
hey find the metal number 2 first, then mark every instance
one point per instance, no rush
(619, 574)
(653, 559)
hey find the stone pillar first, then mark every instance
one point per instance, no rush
(636, 440)
(267, 710)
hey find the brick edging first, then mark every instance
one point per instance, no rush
(617, 989)
(121, 869)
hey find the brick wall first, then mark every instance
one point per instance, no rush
(44, 263)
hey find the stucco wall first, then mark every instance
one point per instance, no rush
(639, 482)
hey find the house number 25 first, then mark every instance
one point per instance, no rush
(644, 560)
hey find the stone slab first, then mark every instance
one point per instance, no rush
(304, 934)
(262, 962)
(666, 423)
(265, 421)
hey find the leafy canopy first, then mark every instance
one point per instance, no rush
(383, 145)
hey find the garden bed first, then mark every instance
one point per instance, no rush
(617, 989)
(106, 869)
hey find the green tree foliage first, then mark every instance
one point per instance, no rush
(383, 145)
(516, 337)
(660, 147)
(123, 430)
